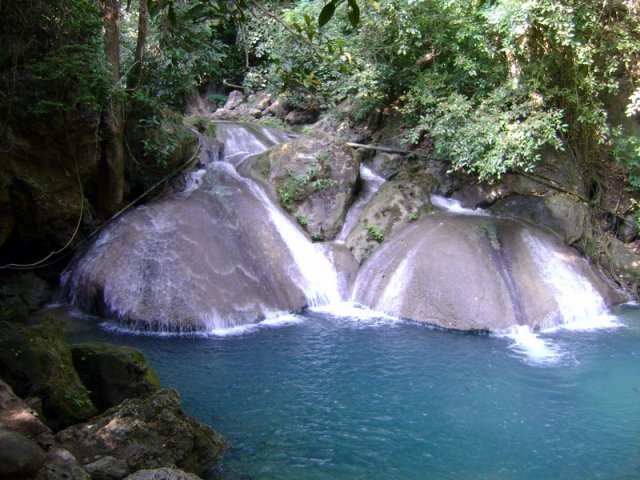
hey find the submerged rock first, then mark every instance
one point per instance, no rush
(146, 433)
(36, 361)
(479, 273)
(113, 373)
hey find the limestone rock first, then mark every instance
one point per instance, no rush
(19, 456)
(301, 117)
(162, 474)
(560, 214)
(60, 464)
(236, 97)
(475, 273)
(396, 204)
(16, 415)
(113, 373)
(107, 468)
(146, 433)
(314, 179)
(150, 268)
(36, 361)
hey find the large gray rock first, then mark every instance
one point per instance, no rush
(16, 415)
(314, 179)
(19, 456)
(209, 258)
(107, 468)
(146, 433)
(113, 373)
(479, 273)
(561, 214)
(162, 474)
(21, 294)
(60, 464)
(36, 361)
(396, 204)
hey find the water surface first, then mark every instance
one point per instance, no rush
(320, 396)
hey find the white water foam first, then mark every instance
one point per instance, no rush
(319, 277)
(454, 206)
(580, 306)
(272, 321)
(356, 313)
(531, 346)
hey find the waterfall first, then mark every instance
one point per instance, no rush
(319, 280)
(218, 254)
(580, 305)
(371, 183)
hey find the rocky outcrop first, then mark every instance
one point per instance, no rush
(107, 468)
(561, 214)
(113, 373)
(21, 294)
(36, 361)
(314, 179)
(162, 474)
(478, 273)
(396, 204)
(19, 456)
(19, 417)
(60, 464)
(146, 433)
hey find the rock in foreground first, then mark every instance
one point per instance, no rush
(146, 433)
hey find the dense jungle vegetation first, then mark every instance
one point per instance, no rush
(482, 85)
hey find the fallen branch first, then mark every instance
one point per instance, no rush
(380, 148)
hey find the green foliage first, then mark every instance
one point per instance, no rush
(53, 56)
(374, 233)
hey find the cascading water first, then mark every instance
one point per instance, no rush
(216, 255)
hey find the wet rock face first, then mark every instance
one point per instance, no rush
(314, 179)
(470, 273)
(36, 361)
(113, 373)
(146, 433)
(201, 260)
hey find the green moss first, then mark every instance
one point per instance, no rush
(36, 361)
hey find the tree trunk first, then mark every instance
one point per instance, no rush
(135, 76)
(111, 180)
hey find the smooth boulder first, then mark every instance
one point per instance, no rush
(207, 258)
(478, 273)
(19, 456)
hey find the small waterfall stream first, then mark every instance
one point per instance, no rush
(371, 183)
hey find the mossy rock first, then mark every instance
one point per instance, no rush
(146, 433)
(313, 178)
(20, 295)
(36, 361)
(113, 373)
